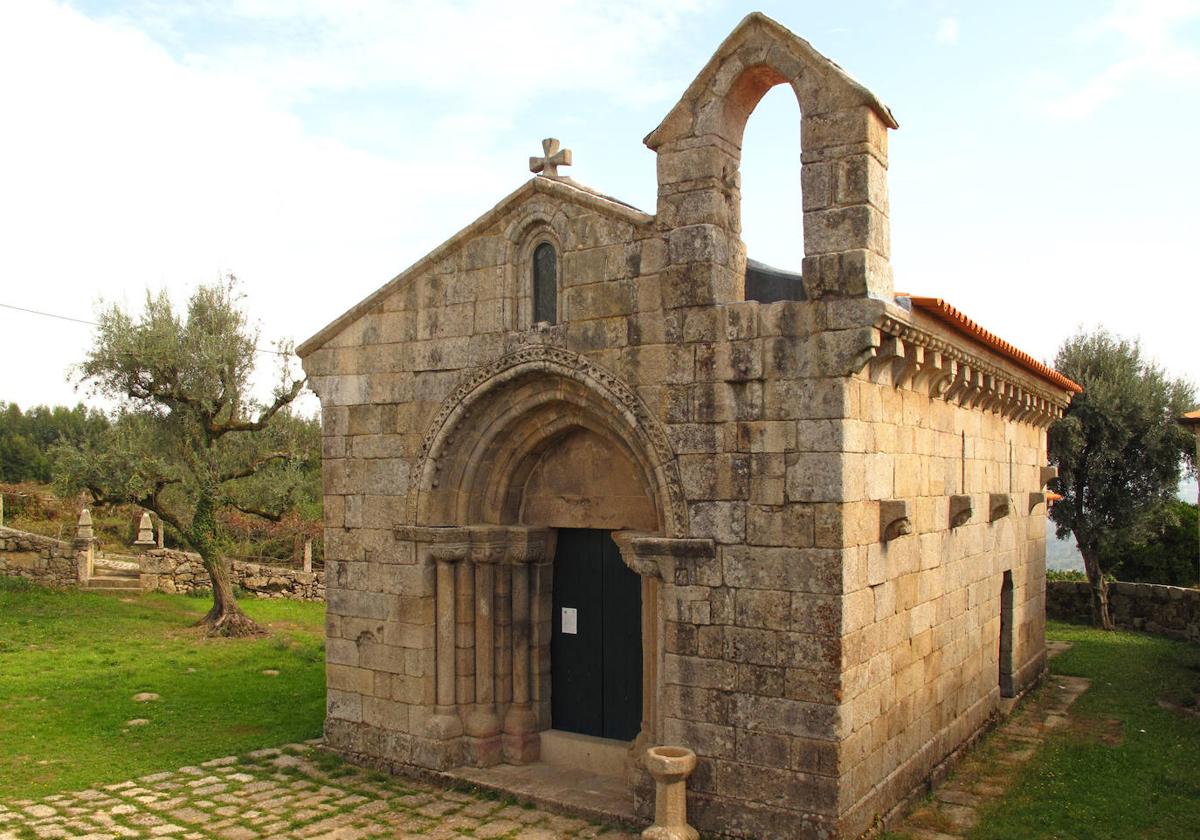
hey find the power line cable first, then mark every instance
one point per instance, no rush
(94, 324)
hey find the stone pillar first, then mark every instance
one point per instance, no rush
(162, 542)
(145, 530)
(521, 742)
(445, 721)
(84, 543)
(437, 741)
(307, 551)
(482, 724)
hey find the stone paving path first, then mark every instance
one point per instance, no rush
(991, 767)
(296, 792)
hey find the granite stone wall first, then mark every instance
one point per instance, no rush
(1172, 611)
(169, 570)
(922, 622)
(43, 559)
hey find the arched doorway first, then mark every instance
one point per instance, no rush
(532, 467)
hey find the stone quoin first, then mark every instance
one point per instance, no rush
(593, 479)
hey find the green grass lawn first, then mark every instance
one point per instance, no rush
(70, 662)
(1146, 786)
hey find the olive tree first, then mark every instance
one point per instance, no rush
(1119, 450)
(188, 439)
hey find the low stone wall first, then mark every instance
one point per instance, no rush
(169, 570)
(43, 559)
(1163, 610)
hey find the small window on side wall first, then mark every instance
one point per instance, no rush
(545, 284)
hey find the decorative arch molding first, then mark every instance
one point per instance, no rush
(620, 405)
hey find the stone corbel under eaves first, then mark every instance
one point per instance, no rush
(910, 357)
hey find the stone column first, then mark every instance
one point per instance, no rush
(445, 721)
(521, 742)
(444, 551)
(482, 724)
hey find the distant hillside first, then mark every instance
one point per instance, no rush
(1062, 555)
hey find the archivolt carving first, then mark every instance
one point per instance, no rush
(927, 363)
(553, 361)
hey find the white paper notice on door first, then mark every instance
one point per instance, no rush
(570, 620)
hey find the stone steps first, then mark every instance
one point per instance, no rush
(106, 580)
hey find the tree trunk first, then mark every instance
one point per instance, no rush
(1099, 586)
(226, 617)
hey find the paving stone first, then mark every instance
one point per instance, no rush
(953, 812)
(229, 799)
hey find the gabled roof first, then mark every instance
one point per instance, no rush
(775, 31)
(563, 188)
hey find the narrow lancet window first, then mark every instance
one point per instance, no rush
(545, 284)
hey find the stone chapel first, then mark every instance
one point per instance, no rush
(595, 482)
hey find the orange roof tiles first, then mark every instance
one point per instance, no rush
(959, 322)
(1192, 418)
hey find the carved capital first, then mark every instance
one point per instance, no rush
(489, 544)
(448, 544)
(528, 545)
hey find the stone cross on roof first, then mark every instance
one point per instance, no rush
(553, 158)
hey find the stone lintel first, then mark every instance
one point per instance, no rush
(894, 519)
(961, 507)
(999, 506)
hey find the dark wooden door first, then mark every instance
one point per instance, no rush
(596, 644)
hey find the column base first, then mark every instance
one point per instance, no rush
(445, 723)
(521, 747)
(484, 752)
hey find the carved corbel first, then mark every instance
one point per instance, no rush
(1047, 474)
(959, 384)
(890, 348)
(972, 389)
(960, 510)
(905, 370)
(894, 520)
(657, 557)
(999, 506)
(935, 374)
(1036, 499)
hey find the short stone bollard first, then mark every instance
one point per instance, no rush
(670, 767)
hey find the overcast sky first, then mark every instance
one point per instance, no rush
(1043, 178)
